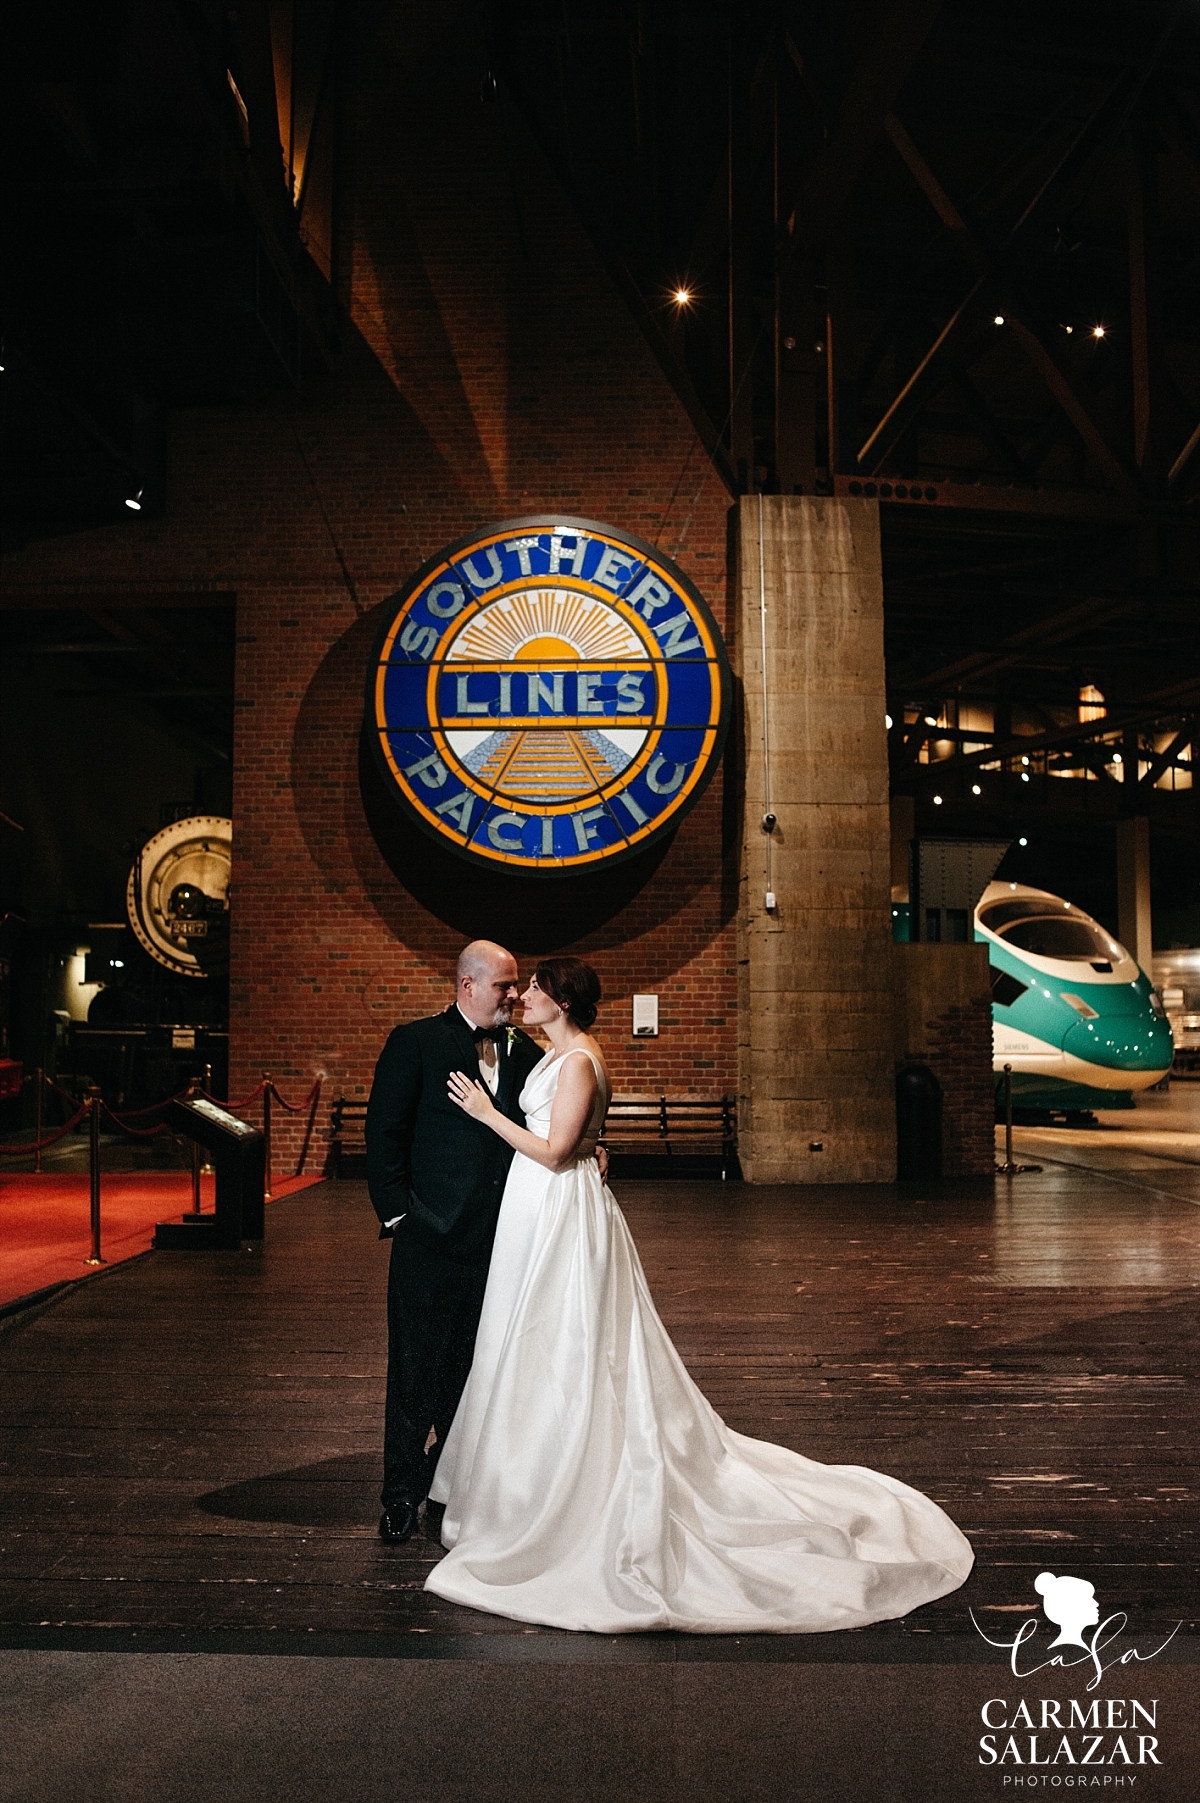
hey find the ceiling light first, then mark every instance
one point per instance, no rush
(1024, 776)
(975, 789)
(937, 801)
(682, 296)
(887, 720)
(999, 320)
(1021, 842)
(134, 501)
(1099, 331)
(930, 721)
(1025, 760)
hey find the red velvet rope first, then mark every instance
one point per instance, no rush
(135, 1114)
(122, 1121)
(138, 1132)
(39, 1144)
(298, 1107)
(233, 1107)
(60, 1091)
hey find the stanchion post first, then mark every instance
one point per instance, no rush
(267, 1132)
(93, 1096)
(1008, 1168)
(191, 1090)
(308, 1131)
(207, 1168)
(37, 1119)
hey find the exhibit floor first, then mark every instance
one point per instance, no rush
(196, 1602)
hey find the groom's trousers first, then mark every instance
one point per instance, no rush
(434, 1305)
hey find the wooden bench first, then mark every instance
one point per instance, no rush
(347, 1139)
(668, 1136)
(646, 1136)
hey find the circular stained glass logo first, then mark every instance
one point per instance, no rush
(549, 694)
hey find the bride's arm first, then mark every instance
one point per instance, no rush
(569, 1114)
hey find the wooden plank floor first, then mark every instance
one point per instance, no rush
(192, 1441)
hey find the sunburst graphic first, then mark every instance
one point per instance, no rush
(524, 622)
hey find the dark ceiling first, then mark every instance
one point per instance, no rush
(900, 225)
(949, 256)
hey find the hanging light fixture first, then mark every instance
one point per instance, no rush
(1091, 703)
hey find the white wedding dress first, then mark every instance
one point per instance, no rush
(587, 1482)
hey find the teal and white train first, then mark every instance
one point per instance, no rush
(1081, 1025)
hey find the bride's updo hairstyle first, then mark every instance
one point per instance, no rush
(570, 981)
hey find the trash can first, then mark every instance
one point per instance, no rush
(918, 1124)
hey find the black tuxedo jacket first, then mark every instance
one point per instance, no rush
(426, 1159)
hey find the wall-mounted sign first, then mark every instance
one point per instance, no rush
(645, 1017)
(547, 695)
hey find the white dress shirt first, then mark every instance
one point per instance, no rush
(490, 1072)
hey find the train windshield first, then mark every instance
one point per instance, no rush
(1048, 931)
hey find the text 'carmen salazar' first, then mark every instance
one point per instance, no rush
(1108, 1732)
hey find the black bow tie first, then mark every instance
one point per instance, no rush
(495, 1034)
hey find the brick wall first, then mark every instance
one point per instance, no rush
(959, 1049)
(490, 370)
(943, 1017)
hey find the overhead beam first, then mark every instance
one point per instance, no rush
(989, 425)
(1176, 701)
(1139, 175)
(1095, 759)
(986, 266)
(1183, 459)
(1094, 133)
(934, 192)
(669, 361)
(1162, 760)
(895, 34)
(742, 155)
(1047, 503)
(710, 241)
(1056, 379)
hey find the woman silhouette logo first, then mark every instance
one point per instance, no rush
(1070, 1603)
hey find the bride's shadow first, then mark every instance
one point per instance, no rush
(332, 1493)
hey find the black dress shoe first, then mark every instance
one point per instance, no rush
(398, 1524)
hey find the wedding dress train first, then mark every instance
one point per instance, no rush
(588, 1483)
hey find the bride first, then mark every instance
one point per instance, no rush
(586, 1481)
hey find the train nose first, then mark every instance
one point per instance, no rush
(1137, 1043)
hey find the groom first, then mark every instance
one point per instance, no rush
(436, 1178)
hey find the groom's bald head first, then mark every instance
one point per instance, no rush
(486, 983)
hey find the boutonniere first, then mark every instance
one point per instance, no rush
(510, 1040)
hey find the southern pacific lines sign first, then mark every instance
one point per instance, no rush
(548, 695)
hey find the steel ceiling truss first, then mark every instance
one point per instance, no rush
(900, 226)
(829, 326)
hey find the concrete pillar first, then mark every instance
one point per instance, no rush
(1133, 889)
(815, 1029)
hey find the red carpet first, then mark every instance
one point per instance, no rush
(45, 1222)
